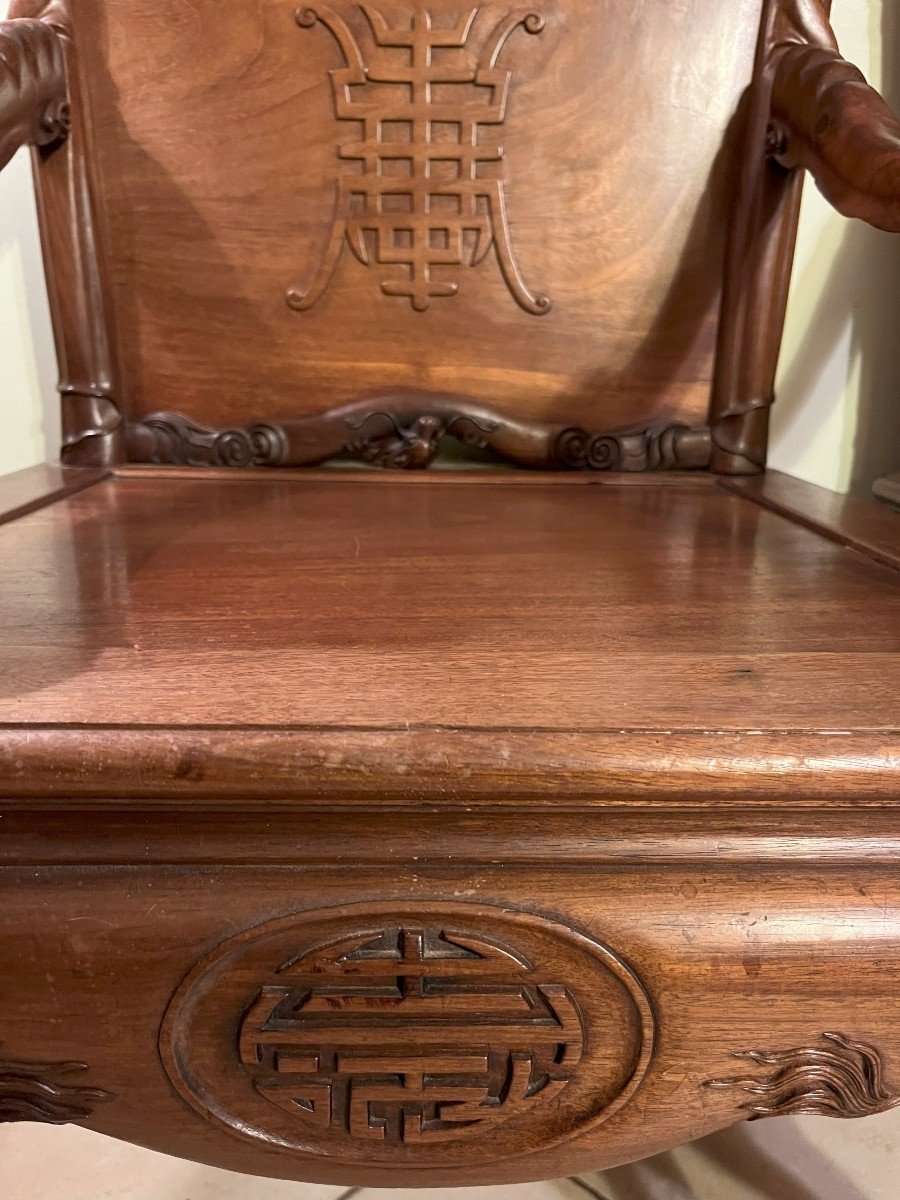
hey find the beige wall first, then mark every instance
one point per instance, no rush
(837, 420)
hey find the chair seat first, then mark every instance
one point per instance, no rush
(515, 604)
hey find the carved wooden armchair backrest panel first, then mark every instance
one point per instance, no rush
(560, 232)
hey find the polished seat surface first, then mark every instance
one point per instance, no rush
(349, 601)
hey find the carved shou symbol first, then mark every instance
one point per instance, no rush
(420, 204)
(409, 1034)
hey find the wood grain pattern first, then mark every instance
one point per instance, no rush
(199, 255)
(415, 1032)
(236, 765)
(618, 180)
(250, 716)
(426, 205)
(76, 267)
(455, 828)
(827, 119)
(254, 603)
(843, 519)
(25, 491)
(731, 957)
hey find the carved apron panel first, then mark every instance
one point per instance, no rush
(394, 1034)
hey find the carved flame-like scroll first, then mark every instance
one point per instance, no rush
(32, 1091)
(840, 1078)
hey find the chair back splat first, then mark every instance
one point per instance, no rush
(560, 235)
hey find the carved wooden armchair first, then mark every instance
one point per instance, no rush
(466, 825)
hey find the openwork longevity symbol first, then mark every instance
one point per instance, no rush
(420, 204)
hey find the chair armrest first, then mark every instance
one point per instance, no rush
(827, 119)
(33, 93)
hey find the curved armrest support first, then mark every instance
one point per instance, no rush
(33, 94)
(830, 121)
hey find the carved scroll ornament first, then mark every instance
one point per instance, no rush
(406, 432)
(838, 1078)
(31, 1091)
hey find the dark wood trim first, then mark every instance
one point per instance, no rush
(35, 487)
(858, 524)
(758, 261)
(474, 475)
(888, 489)
(807, 108)
(406, 431)
(289, 767)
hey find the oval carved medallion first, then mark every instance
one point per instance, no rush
(400, 1033)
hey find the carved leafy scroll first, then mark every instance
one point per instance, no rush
(32, 1091)
(839, 1077)
(406, 433)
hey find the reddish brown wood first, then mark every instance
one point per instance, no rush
(33, 97)
(406, 432)
(732, 959)
(838, 1077)
(32, 1091)
(286, 760)
(24, 491)
(762, 226)
(162, 288)
(845, 519)
(75, 261)
(236, 766)
(828, 120)
(464, 828)
(515, 591)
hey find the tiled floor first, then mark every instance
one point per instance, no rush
(800, 1158)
